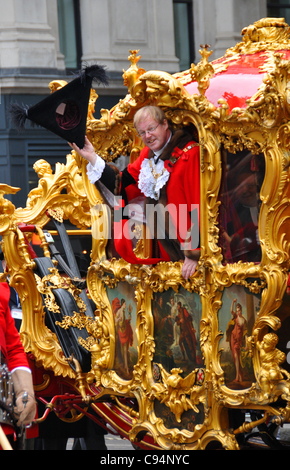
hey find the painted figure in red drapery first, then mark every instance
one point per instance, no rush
(124, 329)
(236, 333)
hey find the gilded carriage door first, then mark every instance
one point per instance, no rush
(177, 315)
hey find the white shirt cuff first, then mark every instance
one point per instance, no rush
(21, 368)
(95, 172)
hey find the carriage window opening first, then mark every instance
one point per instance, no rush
(279, 9)
(183, 30)
(243, 175)
(70, 32)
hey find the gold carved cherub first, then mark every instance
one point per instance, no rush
(270, 359)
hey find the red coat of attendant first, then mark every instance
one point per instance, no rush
(10, 343)
(182, 190)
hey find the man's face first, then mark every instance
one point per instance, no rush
(153, 134)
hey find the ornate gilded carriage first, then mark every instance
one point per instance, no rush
(148, 379)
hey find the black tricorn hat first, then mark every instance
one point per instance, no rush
(65, 111)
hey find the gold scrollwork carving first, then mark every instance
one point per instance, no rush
(53, 281)
(98, 342)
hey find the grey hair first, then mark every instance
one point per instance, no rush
(153, 111)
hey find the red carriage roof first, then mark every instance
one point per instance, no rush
(239, 74)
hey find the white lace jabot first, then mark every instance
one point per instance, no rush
(152, 177)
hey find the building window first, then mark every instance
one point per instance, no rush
(279, 9)
(183, 30)
(70, 32)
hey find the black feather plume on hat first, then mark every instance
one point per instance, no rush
(96, 72)
(63, 112)
(18, 115)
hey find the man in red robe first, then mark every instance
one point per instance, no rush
(166, 177)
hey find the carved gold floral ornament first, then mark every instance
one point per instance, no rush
(53, 281)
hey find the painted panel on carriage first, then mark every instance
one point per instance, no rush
(242, 179)
(124, 307)
(177, 330)
(236, 319)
